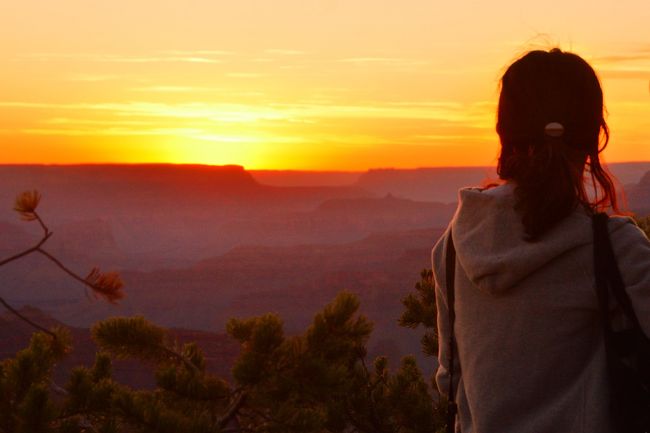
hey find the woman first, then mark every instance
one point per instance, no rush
(529, 341)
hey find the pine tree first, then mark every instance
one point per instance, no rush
(318, 381)
(420, 309)
(29, 400)
(314, 382)
(25, 383)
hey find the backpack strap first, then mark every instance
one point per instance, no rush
(607, 272)
(450, 275)
(627, 351)
(599, 226)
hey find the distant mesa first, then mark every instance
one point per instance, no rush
(638, 196)
(387, 204)
(101, 190)
(439, 184)
(125, 174)
(305, 177)
(628, 173)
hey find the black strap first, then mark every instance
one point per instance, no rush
(450, 275)
(608, 274)
(600, 232)
(626, 403)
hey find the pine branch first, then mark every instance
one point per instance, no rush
(110, 288)
(135, 337)
(46, 230)
(27, 251)
(232, 411)
(58, 389)
(357, 424)
(25, 319)
(109, 284)
(46, 236)
(63, 267)
(237, 430)
(369, 388)
(258, 413)
(183, 359)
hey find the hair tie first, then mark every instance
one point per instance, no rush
(554, 129)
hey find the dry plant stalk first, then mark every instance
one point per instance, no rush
(108, 285)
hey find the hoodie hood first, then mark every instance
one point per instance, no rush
(489, 238)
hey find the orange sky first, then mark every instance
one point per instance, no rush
(297, 84)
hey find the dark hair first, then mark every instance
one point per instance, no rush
(540, 88)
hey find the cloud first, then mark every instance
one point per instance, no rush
(267, 139)
(620, 58)
(111, 122)
(625, 74)
(447, 110)
(205, 133)
(51, 56)
(189, 110)
(284, 52)
(163, 59)
(293, 67)
(92, 77)
(244, 74)
(371, 60)
(112, 131)
(170, 89)
(365, 124)
(395, 120)
(392, 62)
(473, 136)
(198, 52)
(112, 58)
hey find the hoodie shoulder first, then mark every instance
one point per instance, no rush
(489, 238)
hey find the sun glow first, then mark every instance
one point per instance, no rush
(220, 83)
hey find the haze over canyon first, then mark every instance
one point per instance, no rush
(197, 245)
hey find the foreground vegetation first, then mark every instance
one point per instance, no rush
(314, 382)
(318, 381)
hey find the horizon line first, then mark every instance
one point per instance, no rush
(242, 167)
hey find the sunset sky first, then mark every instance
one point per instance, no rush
(296, 84)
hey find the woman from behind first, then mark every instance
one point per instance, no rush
(528, 344)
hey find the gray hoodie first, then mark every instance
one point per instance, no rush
(529, 341)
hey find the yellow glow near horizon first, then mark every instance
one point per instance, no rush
(323, 84)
